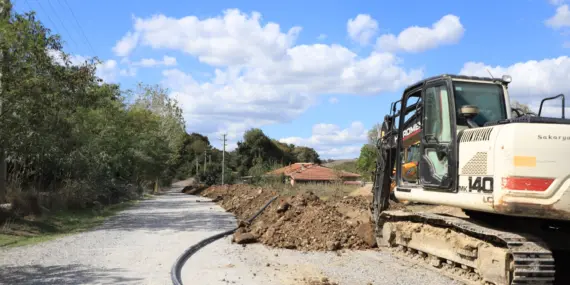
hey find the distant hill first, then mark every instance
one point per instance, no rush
(338, 162)
(346, 165)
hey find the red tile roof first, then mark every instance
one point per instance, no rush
(291, 168)
(310, 171)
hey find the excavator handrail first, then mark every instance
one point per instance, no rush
(551, 98)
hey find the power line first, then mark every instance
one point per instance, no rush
(28, 5)
(62, 24)
(49, 18)
(79, 25)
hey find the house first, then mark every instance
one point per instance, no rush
(310, 172)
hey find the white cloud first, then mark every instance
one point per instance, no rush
(333, 100)
(321, 37)
(232, 39)
(551, 111)
(362, 28)
(107, 70)
(532, 80)
(281, 92)
(169, 60)
(231, 103)
(126, 44)
(129, 71)
(260, 75)
(330, 141)
(447, 30)
(561, 19)
(345, 152)
(151, 62)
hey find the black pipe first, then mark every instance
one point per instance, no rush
(176, 271)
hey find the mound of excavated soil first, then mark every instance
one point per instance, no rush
(365, 190)
(302, 221)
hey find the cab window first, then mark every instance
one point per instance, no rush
(487, 96)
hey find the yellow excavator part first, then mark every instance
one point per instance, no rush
(409, 172)
(409, 167)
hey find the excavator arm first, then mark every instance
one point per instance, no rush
(384, 164)
(385, 174)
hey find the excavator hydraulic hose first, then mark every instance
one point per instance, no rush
(176, 271)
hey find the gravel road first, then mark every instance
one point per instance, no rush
(139, 245)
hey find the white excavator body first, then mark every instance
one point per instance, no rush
(518, 169)
(508, 172)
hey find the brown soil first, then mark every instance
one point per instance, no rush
(302, 221)
(365, 190)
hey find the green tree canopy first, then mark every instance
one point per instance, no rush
(65, 130)
(306, 154)
(366, 163)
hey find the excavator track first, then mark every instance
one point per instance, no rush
(527, 259)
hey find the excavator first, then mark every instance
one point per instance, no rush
(505, 170)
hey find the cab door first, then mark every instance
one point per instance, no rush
(437, 164)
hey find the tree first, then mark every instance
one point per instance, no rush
(256, 147)
(65, 131)
(373, 135)
(191, 151)
(259, 151)
(212, 175)
(524, 107)
(171, 122)
(306, 154)
(366, 163)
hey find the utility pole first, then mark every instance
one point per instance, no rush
(223, 156)
(197, 166)
(204, 161)
(5, 9)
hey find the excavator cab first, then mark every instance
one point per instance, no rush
(431, 114)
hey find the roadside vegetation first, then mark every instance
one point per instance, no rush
(18, 232)
(71, 142)
(77, 149)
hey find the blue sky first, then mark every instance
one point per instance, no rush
(311, 72)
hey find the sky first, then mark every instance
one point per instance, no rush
(315, 73)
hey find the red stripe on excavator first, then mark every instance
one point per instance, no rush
(412, 134)
(527, 183)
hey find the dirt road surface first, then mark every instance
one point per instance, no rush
(139, 245)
